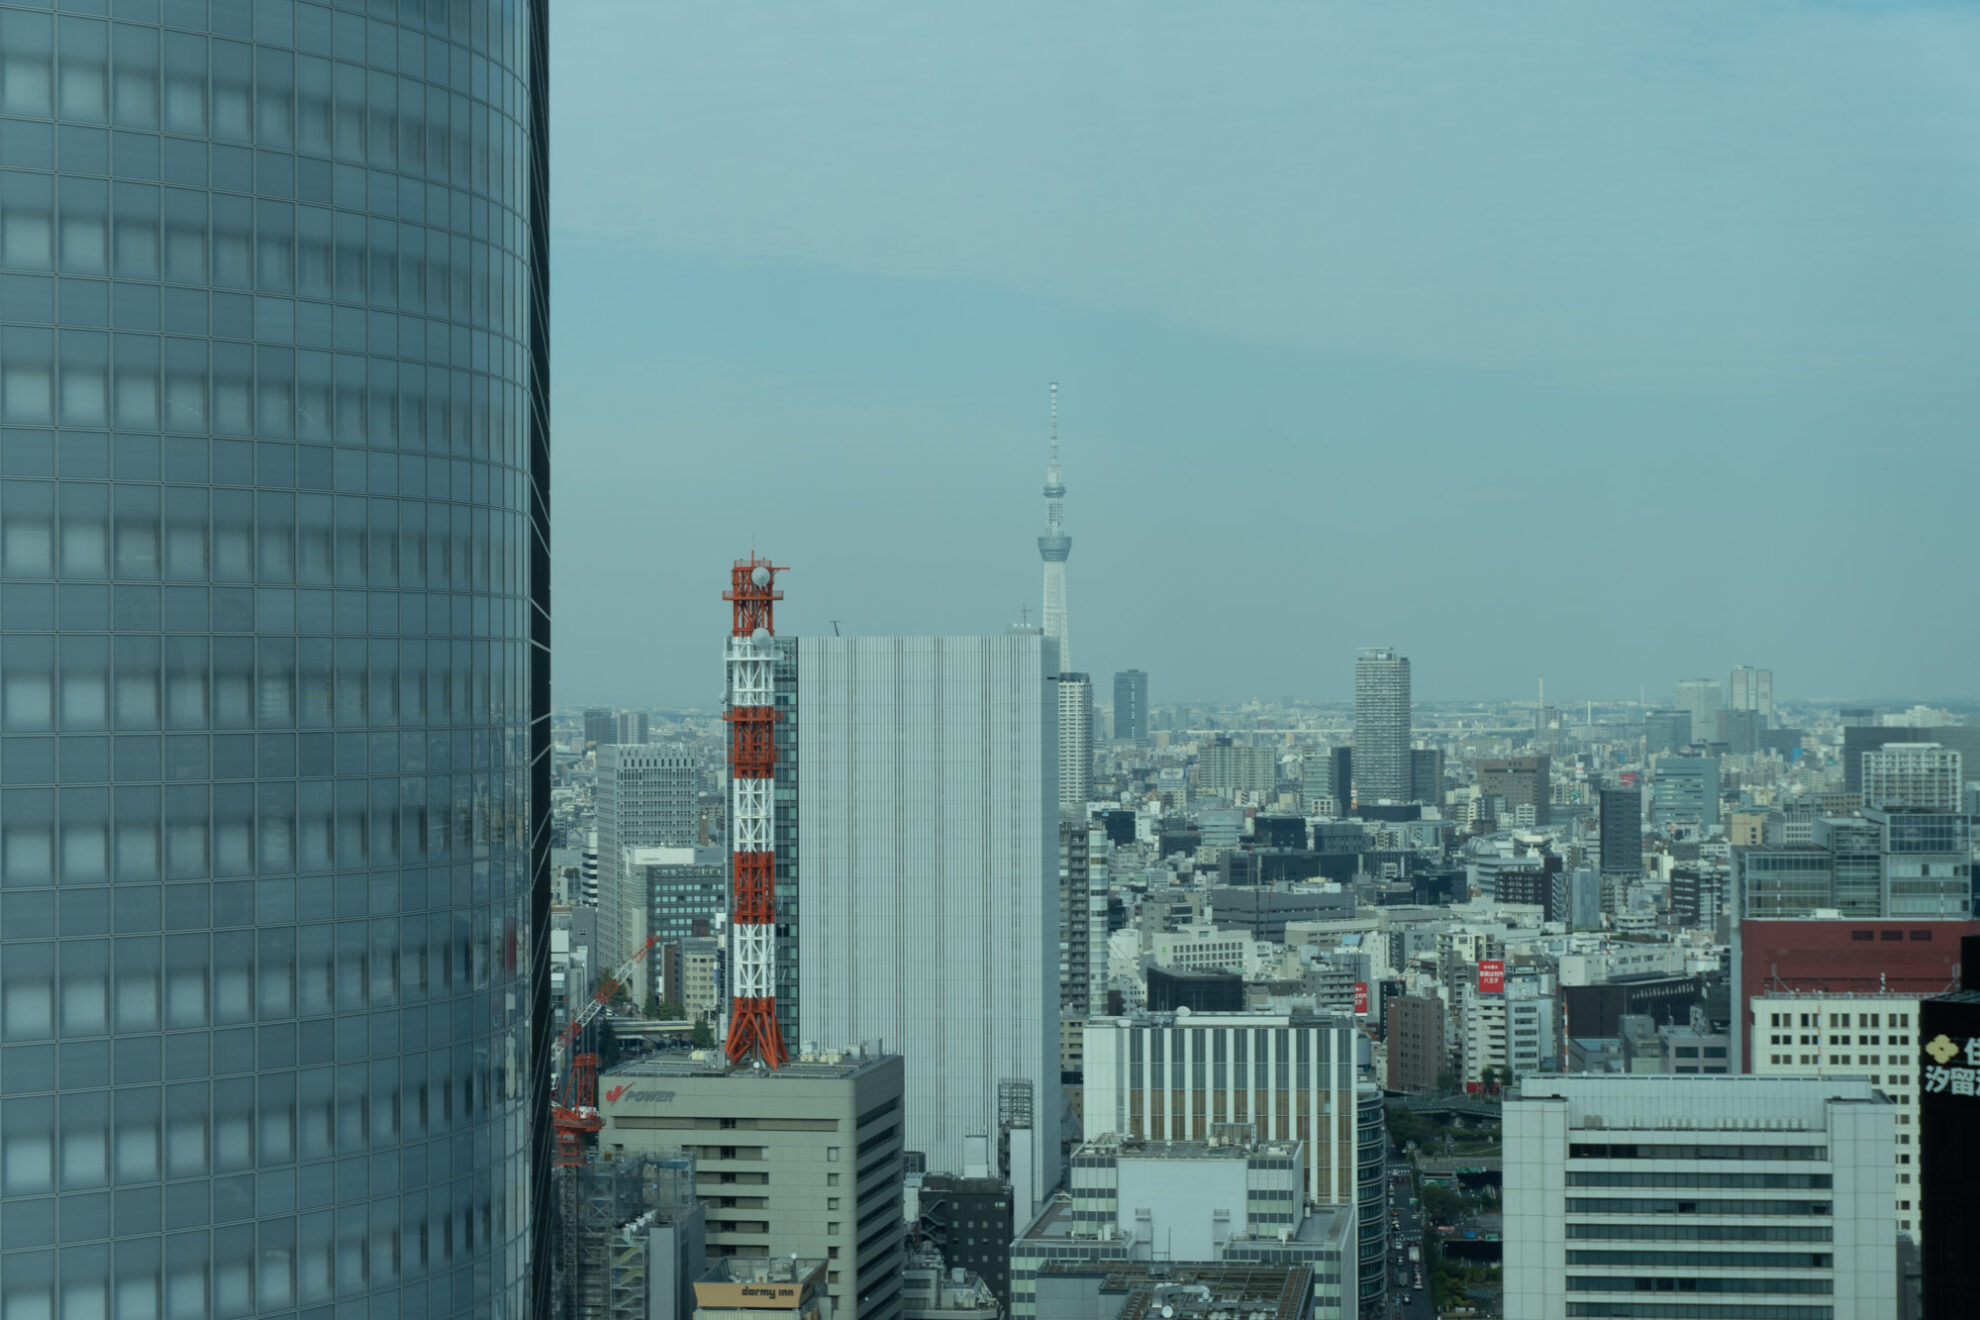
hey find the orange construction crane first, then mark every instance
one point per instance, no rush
(574, 1109)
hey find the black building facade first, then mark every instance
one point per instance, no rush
(1949, 1141)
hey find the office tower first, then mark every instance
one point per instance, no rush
(599, 728)
(588, 870)
(926, 782)
(1055, 547)
(1131, 707)
(1700, 1196)
(1340, 771)
(1816, 1033)
(804, 1159)
(1964, 739)
(1685, 788)
(281, 692)
(1698, 896)
(1751, 689)
(968, 1219)
(1381, 727)
(1700, 699)
(1082, 932)
(1075, 741)
(1415, 1035)
(1226, 768)
(1947, 1055)
(1164, 1077)
(629, 726)
(646, 799)
(1913, 777)
(1666, 731)
(1621, 820)
(686, 890)
(1523, 781)
(1426, 775)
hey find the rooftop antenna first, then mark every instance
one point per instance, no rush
(835, 627)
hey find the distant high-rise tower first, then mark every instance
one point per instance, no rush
(1131, 707)
(1075, 741)
(1702, 700)
(1381, 726)
(1752, 689)
(1055, 547)
(646, 799)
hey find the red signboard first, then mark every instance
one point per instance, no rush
(1627, 778)
(1491, 976)
(1361, 999)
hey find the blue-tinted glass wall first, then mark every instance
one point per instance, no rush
(273, 467)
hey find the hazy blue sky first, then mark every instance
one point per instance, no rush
(1610, 342)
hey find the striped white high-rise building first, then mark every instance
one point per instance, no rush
(924, 833)
(1381, 726)
(1075, 741)
(1913, 777)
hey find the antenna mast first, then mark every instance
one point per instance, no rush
(752, 721)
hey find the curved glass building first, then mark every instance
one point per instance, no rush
(273, 678)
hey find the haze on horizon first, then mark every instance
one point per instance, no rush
(1618, 344)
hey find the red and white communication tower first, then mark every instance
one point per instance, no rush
(752, 720)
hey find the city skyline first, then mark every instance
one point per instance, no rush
(1354, 290)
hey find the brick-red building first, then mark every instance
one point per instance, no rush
(1841, 954)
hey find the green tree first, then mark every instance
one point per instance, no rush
(703, 1037)
(1441, 1204)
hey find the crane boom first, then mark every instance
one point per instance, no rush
(574, 1107)
(596, 1004)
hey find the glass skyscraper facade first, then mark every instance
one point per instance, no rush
(273, 657)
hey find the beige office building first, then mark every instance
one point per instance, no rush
(806, 1160)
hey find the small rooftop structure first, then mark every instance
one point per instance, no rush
(742, 1285)
(1156, 1290)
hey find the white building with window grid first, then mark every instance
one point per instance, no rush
(1818, 1034)
(1700, 1197)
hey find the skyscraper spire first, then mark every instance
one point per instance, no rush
(1055, 547)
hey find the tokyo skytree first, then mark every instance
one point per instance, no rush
(1055, 547)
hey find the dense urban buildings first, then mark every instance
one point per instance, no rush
(280, 694)
(1381, 727)
(1700, 1196)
